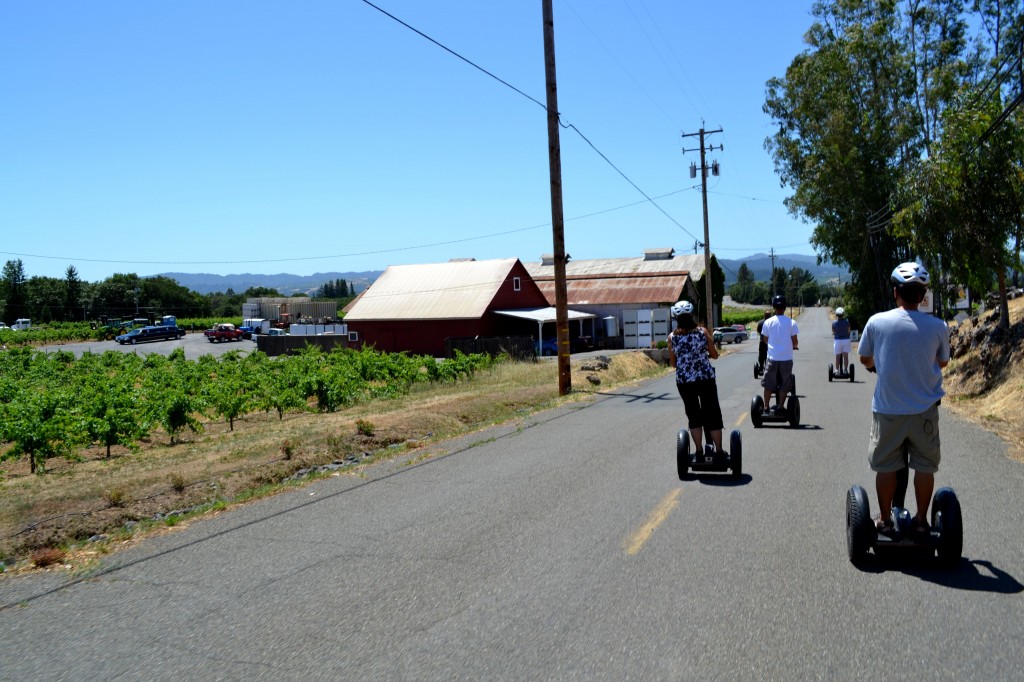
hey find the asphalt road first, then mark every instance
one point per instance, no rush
(564, 547)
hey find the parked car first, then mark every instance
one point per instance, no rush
(548, 347)
(728, 335)
(22, 324)
(223, 332)
(157, 333)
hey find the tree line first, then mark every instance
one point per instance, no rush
(798, 286)
(123, 296)
(899, 131)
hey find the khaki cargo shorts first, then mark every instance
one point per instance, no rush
(919, 431)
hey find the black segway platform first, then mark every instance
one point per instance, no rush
(837, 374)
(759, 415)
(709, 460)
(944, 538)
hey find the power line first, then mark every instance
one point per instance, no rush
(535, 101)
(338, 255)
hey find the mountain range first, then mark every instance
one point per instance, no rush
(760, 264)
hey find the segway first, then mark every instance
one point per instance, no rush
(840, 374)
(709, 460)
(762, 360)
(761, 414)
(945, 537)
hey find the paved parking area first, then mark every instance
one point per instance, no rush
(194, 344)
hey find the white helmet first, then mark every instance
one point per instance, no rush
(909, 273)
(840, 312)
(682, 308)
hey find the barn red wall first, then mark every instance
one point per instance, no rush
(419, 337)
(529, 296)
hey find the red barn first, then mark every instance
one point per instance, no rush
(415, 308)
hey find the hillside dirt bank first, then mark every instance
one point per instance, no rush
(985, 378)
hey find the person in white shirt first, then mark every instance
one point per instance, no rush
(780, 333)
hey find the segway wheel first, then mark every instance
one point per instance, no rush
(756, 411)
(830, 373)
(948, 521)
(683, 453)
(792, 384)
(793, 410)
(755, 370)
(736, 453)
(850, 368)
(860, 533)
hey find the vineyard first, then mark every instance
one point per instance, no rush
(54, 405)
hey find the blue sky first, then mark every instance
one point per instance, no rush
(321, 136)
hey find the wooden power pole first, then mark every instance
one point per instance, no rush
(557, 218)
(708, 278)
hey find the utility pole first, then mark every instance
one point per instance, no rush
(708, 279)
(557, 218)
(771, 254)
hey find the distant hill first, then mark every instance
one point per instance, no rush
(286, 284)
(204, 283)
(761, 265)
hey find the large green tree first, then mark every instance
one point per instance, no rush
(118, 296)
(854, 114)
(74, 299)
(12, 290)
(963, 204)
(743, 290)
(44, 299)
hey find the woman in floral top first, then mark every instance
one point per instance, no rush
(691, 350)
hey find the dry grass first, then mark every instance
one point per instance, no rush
(998, 408)
(76, 501)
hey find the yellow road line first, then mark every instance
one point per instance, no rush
(740, 420)
(636, 542)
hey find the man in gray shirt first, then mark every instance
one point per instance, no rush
(908, 349)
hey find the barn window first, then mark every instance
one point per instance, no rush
(517, 284)
(353, 336)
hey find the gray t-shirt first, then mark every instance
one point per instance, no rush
(908, 347)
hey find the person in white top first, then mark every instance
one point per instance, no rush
(780, 333)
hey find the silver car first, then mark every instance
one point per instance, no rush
(728, 335)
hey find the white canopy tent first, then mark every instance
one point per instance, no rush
(542, 315)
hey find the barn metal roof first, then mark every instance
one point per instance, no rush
(619, 290)
(621, 281)
(690, 264)
(432, 291)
